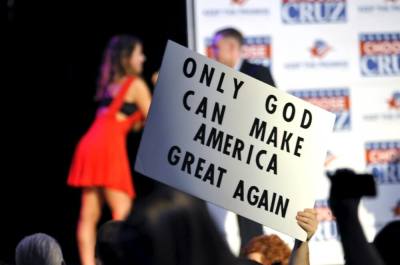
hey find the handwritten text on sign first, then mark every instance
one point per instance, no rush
(232, 140)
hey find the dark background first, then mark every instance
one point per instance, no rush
(53, 51)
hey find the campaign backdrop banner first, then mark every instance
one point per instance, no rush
(343, 56)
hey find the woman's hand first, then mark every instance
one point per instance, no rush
(307, 220)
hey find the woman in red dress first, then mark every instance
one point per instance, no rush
(100, 165)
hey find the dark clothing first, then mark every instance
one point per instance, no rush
(259, 72)
(387, 242)
(127, 108)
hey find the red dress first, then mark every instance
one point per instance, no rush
(101, 157)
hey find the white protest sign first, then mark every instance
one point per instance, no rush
(234, 141)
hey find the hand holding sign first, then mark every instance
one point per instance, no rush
(307, 219)
(234, 141)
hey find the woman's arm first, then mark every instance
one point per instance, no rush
(307, 220)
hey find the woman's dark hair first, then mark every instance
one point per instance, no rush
(182, 230)
(387, 242)
(115, 63)
(172, 228)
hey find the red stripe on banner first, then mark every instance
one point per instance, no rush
(257, 51)
(346, 102)
(380, 47)
(381, 156)
(334, 104)
(362, 48)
